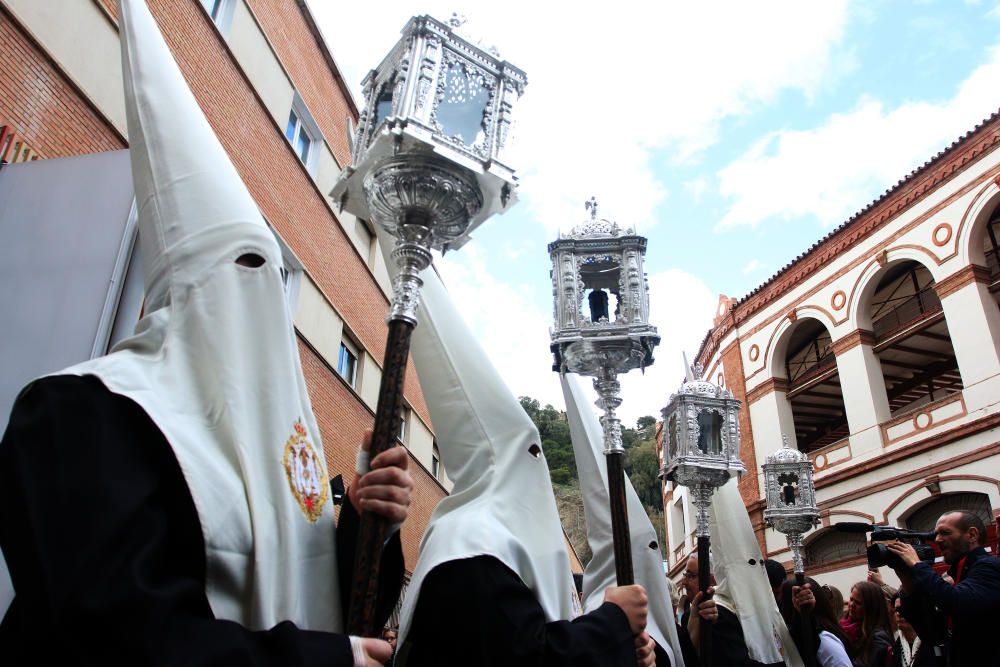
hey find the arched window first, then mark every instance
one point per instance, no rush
(925, 517)
(814, 386)
(911, 338)
(832, 546)
(991, 249)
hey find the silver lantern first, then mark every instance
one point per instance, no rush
(428, 167)
(602, 329)
(791, 498)
(701, 433)
(430, 146)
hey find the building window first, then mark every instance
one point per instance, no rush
(404, 420)
(436, 462)
(347, 363)
(303, 133)
(291, 275)
(221, 12)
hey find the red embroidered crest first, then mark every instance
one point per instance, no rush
(306, 473)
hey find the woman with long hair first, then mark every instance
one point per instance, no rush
(867, 625)
(828, 638)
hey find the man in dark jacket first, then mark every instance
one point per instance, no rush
(970, 605)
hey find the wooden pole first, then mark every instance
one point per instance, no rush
(619, 519)
(372, 532)
(704, 581)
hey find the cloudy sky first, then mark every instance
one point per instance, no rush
(732, 134)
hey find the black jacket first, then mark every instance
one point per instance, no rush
(972, 605)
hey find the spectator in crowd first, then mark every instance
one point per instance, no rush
(867, 625)
(776, 576)
(969, 605)
(908, 651)
(836, 601)
(828, 639)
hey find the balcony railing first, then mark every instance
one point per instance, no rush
(908, 312)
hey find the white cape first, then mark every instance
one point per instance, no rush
(742, 584)
(502, 503)
(214, 362)
(647, 561)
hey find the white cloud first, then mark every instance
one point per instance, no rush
(751, 266)
(835, 170)
(609, 84)
(696, 188)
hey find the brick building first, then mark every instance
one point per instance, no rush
(265, 79)
(877, 352)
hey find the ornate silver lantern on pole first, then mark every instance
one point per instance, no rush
(792, 510)
(702, 451)
(428, 167)
(602, 329)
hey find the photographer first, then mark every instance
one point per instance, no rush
(970, 604)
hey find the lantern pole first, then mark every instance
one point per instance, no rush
(427, 176)
(608, 388)
(791, 509)
(596, 261)
(702, 453)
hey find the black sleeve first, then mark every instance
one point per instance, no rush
(390, 571)
(975, 594)
(476, 611)
(728, 645)
(105, 548)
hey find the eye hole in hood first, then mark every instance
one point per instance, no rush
(251, 260)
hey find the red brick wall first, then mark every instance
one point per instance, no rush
(342, 423)
(286, 29)
(43, 108)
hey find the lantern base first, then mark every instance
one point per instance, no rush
(423, 197)
(594, 356)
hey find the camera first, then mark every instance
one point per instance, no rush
(879, 554)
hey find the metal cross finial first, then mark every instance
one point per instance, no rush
(698, 370)
(457, 20)
(591, 205)
(784, 440)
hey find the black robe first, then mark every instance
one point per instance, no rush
(477, 611)
(106, 551)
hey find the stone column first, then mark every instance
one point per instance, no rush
(863, 388)
(974, 325)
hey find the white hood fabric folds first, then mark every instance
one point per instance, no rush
(214, 361)
(647, 561)
(502, 503)
(742, 584)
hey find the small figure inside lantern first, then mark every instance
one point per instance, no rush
(598, 300)
(789, 487)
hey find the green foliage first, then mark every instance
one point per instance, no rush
(641, 465)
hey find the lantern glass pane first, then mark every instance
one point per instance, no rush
(710, 432)
(462, 110)
(383, 103)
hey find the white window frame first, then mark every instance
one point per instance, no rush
(403, 425)
(291, 274)
(304, 124)
(348, 370)
(222, 15)
(435, 462)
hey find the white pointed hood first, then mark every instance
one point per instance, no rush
(741, 582)
(647, 560)
(214, 361)
(502, 503)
